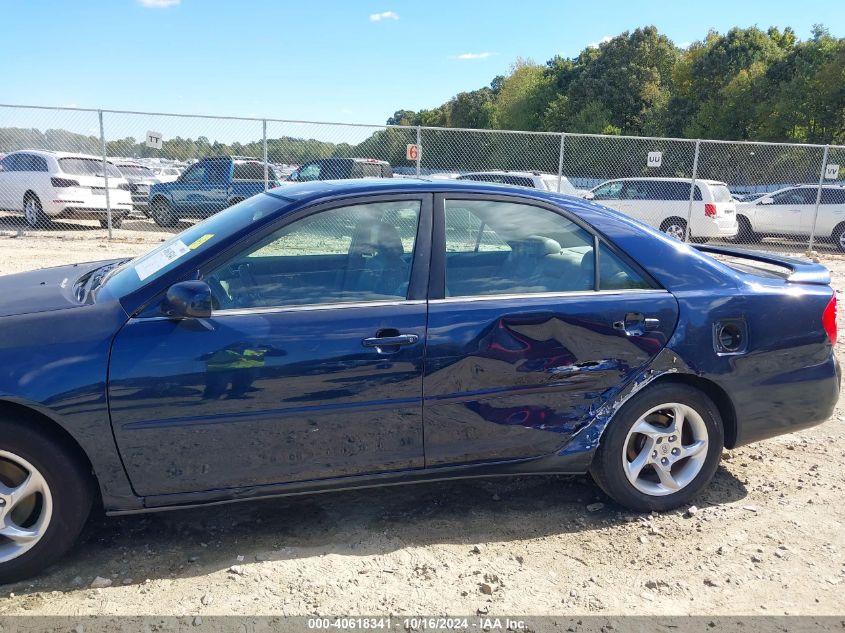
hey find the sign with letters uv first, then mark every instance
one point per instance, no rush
(154, 139)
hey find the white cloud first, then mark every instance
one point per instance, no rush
(684, 45)
(483, 55)
(384, 15)
(603, 40)
(158, 4)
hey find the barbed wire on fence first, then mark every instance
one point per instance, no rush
(95, 170)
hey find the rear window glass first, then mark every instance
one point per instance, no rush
(721, 193)
(88, 167)
(136, 171)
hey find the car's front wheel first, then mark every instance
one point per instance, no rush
(661, 448)
(45, 499)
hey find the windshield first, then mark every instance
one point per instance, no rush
(136, 170)
(87, 167)
(140, 271)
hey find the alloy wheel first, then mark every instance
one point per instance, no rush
(26, 506)
(665, 449)
(676, 231)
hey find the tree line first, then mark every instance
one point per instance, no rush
(746, 84)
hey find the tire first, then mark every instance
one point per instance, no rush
(674, 227)
(59, 506)
(838, 237)
(162, 214)
(116, 222)
(622, 448)
(33, 211)
(745, 234)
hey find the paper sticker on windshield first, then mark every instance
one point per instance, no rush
(156, 262)
(200, 241)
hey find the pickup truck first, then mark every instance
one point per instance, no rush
(208, 186)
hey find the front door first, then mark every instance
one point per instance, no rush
(525, 340)
(784, 215)
(309, 368)
(187, 192)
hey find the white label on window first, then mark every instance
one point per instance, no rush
(154, 139)
(655, 159)
(831, 172)
(156, 262)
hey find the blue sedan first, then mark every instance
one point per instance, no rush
(332, 335)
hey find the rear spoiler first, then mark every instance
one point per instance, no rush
(802, 271)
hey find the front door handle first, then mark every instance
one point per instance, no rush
(390, 341)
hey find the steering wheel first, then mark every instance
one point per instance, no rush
(247, 293)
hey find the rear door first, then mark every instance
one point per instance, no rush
(310, 366)
(525, 341)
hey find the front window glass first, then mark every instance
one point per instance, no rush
(309, 172)
(350, 254)
(608, 191)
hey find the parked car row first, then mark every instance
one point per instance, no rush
(46, 184)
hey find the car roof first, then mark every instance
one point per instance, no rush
(505, 172)
(57, 155)
(666, 179)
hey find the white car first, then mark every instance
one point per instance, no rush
(790, 212)
(167, 174)
(46, 185)
(532, 179)
(664, 203)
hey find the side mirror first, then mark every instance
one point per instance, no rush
(187, 300)
(589, 195)
(767, 200)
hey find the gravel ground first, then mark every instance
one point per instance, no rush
(765, 538)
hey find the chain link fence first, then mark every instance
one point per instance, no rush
(144, 175)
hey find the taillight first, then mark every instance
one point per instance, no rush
(829, 319)
(709, 210)
(63, 183)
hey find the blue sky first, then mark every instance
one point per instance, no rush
(331, 60)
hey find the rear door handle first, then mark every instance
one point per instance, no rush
(636, 324)
(390, 341)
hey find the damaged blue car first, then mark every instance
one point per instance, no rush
(333, 335)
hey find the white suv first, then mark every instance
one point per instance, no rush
(46, 185)
(532, 179)
(790, 212)
(664, 204)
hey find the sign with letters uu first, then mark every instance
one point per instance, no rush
(655, 159)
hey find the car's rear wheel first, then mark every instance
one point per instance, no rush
(162, 214)
(33, 211)
(116, 222)
(45, 498)
(675, 227)
(661, 448)
(838, 237)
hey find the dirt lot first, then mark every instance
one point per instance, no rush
(766, 538)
